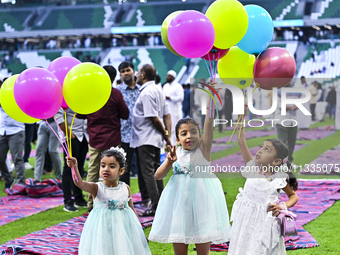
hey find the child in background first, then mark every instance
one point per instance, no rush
(192, 208)
(112, 227)
(256, 227)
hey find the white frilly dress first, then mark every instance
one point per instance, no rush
(254, 230)
(112, 227)
(192, 207)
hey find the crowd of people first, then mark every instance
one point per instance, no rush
(140, 117)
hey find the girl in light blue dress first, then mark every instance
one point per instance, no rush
(112, 227)
(192, 208)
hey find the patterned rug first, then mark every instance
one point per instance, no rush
(60, 239)
(16, 207)
(315, 133)
(249, 134)
(326, 164)
(315, 196)
(233, 162)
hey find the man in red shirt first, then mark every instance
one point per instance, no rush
(103, 128)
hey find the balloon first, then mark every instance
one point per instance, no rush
(191, 34)
(87, 87)
(237, 68)
(9, 104)
(230, 20)
(215, 54)
(275, 67)
(38, 93)
(164, 31)
(60, 67)
(260, 30)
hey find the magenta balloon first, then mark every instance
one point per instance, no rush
(274, 68)
(215, 54)
(38, 93)
(191, 34)
(60, 67)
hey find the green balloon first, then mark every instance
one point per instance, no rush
(164, 31)
(10, 105)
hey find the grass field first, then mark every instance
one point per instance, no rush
(325, 229)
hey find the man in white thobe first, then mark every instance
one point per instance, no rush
(174, 94)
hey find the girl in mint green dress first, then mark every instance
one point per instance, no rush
(192, 208)
(112, 227)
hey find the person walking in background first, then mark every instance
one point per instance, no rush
(130, 92)
(148, 132)
(288, 132)
(29, 132)
(174, 94)
(12, 138)
(79, 142)
(103, 127)
(186, 101)
(331, 100)
(47, 139)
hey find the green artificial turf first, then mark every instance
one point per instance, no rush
(324, 229)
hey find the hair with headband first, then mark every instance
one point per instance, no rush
(116, 152)
(282, 153)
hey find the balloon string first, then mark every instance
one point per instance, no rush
(232, 134)
(61, 142)
(68, 140)
(207, 67)
(74, 115)
(213, 64)
(255, 88)
(218, 56)
(66, 132)
(55, 135)
(252, 82)
(244, 101)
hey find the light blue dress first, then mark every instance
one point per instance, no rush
(112, 228)
(192, 207)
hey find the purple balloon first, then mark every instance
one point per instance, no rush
(191, 34)
(60, 67)
(38, 93)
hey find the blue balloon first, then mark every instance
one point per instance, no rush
(260, 30)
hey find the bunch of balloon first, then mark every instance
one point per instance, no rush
(230, 22)
(60, 67)
(39, 93)
(86, 89)
(189, 34)
(238, 67)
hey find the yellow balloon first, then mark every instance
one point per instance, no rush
(230, 21)
(87, 88)
(164, 31)
(9, 104)
(237, 68)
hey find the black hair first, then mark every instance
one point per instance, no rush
(126, 64)
(115, 153)
(184, 121)
(149, 71)
(157, 79)
(282, 152)
(111, 71)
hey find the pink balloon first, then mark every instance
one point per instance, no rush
(274, 68)
(215, 54)
(38, 93)
(60, 67)
(191, 34)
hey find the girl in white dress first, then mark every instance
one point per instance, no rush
(256, 228)
(112, 227)
(192, 208)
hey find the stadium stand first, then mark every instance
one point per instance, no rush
(13, 19)
(325, 63)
